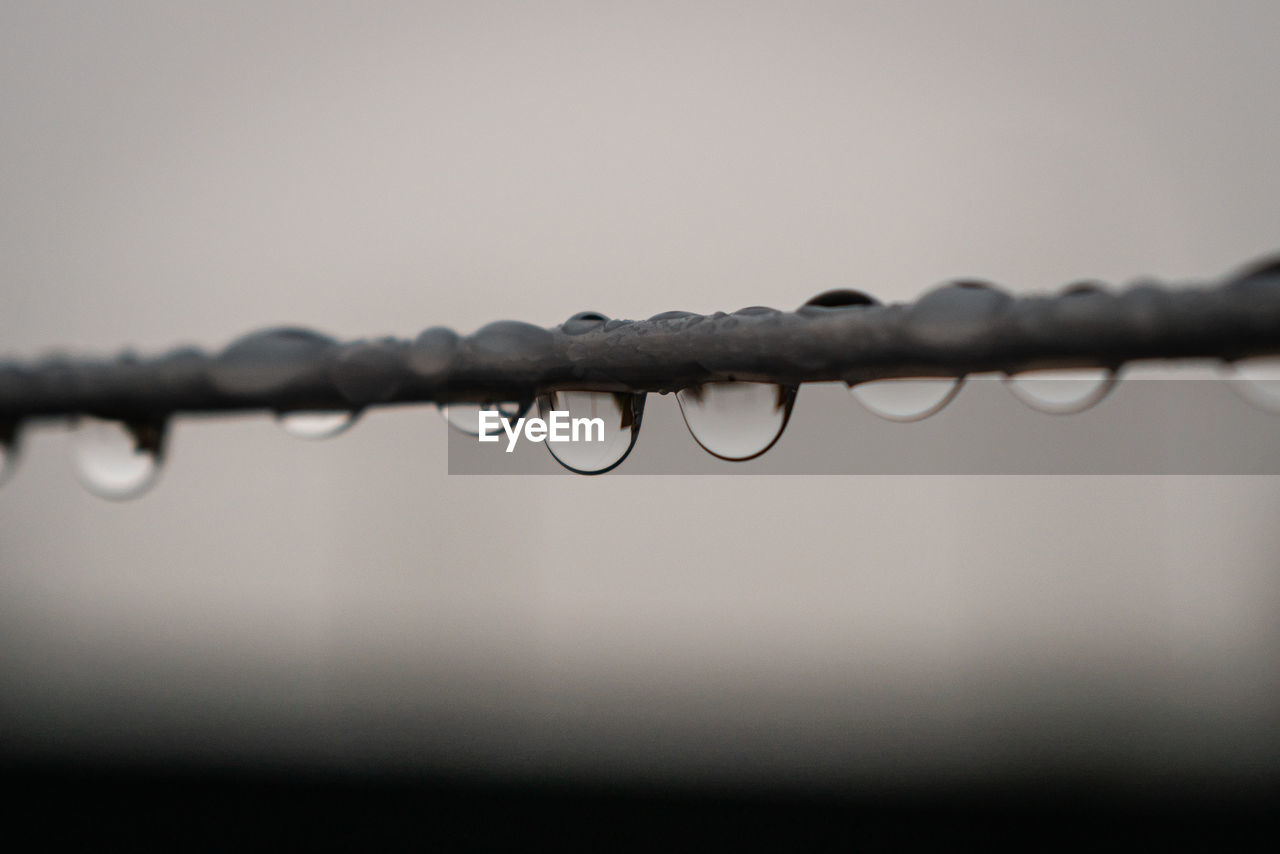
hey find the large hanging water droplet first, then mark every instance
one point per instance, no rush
(590, 453)
(465, 417)
(1062, 392)
(906, 399)
(316, 425)
(736, 420)
(117, 461)
(8, 451)
(1257, 380)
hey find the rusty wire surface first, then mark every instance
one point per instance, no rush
(953, 330)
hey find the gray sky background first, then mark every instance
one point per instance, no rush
(174, 173)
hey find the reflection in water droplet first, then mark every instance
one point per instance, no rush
(465, 417)
(1062, 392)
(906, 399)
(117, 461)
(8, 451)
(621, 413)
(1257, 380)
(316, 425)
(736, 420)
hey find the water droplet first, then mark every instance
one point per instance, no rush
(736, 420)
(316, 425)
(583, 322)
(954, 315)
(8, 451)
(117, 461)
(621, 413)
(1257, 380)
(1062, 392)
(432, 351)
(270, 360)
(908, 398)
(465, 417)
(841, 298)
(367, 372)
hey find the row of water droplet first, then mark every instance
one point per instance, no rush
(731, 420)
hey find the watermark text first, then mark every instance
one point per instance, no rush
(557, 427)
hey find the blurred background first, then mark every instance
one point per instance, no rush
(181, 173)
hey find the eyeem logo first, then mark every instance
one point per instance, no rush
(558, 428)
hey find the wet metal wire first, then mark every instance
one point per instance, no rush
(956, 329)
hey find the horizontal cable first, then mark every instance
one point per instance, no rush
(956, 329)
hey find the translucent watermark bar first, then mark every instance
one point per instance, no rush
(1132, 427)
